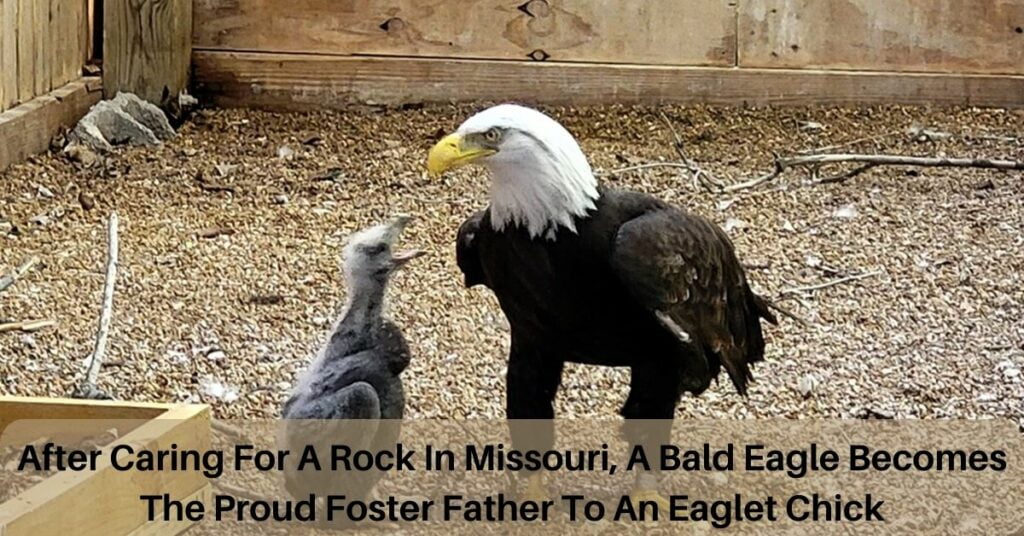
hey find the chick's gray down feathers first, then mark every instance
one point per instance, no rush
(351, 394)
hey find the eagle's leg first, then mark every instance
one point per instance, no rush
(654, 393)
(531, 384)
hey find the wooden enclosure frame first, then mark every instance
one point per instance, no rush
(66, 502)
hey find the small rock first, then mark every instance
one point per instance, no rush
(6, 228)
(280, 199)
(846, 212)
(215, 231)
(806, 385)
(787, 226)
(1011, 372)
(215, 354)
(86, 200)
(312, 140)
(285, 153)
(810, 126)
(987, 397)
(223, 170)
(41, 220)
(724, 204)
(986, 184)
(77, 152)
(812, 261)
(145, 113)
(43, 191)
(734, 223)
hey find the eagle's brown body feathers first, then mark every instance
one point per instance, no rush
(640, 284)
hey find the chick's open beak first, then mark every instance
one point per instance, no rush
(399, 258)
(453, 151)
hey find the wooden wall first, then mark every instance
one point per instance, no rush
(43, 46)
(304, 54)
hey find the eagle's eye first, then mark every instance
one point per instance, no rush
(492, 135)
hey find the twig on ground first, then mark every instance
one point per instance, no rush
(88, 389)
(649, 165)
(701, 177)
(858, 141)
(14, 275)
(869, 161)
(827, 284)
(785, 312)
(27, 325)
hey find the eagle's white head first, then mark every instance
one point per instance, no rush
(540, 178)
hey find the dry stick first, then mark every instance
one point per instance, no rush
(88, 389)
(819, 286)
(705, 179)
(871, 160)
(844, 145)
(11, 278)
(649, 165)
(27, 325)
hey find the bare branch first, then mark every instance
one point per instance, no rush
(649, 165)
(819, 286)
(869, 161)
(14, 275)
(88, 389)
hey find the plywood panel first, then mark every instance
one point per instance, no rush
(307, 82)
(666, 32)
(147, 46)
(976, 36)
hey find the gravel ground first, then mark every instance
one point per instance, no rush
(230, 319)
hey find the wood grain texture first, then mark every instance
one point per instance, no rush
(952, 36)
(27, 128)
(26, 51)
(55, 506)
(147, 46)
(663, 32)
(43, 44)
(311, 82)
(6, 75)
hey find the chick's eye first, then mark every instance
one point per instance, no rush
(492, 135)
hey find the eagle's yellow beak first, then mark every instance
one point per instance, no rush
(451, 152)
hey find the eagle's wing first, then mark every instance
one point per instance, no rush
(466, 251)
(684, 270)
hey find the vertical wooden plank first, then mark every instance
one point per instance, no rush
(147, 47)
(43, 39)
(9, 56)
(26, 51)
(56, 34)
(3, 73)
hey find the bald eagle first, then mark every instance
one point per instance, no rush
(593, 275)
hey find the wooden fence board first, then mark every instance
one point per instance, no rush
(26, 51)
(952, 36)
(27, 128)
(9, 55)
(147, 47)
(43, 44)
(664, 32)
(311, 82)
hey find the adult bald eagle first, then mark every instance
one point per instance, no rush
(599, 276)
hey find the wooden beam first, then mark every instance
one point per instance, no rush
(25, 27)
(27, 129)
(311, 82)
(147, 46)
(660, 32)
(55, 506)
